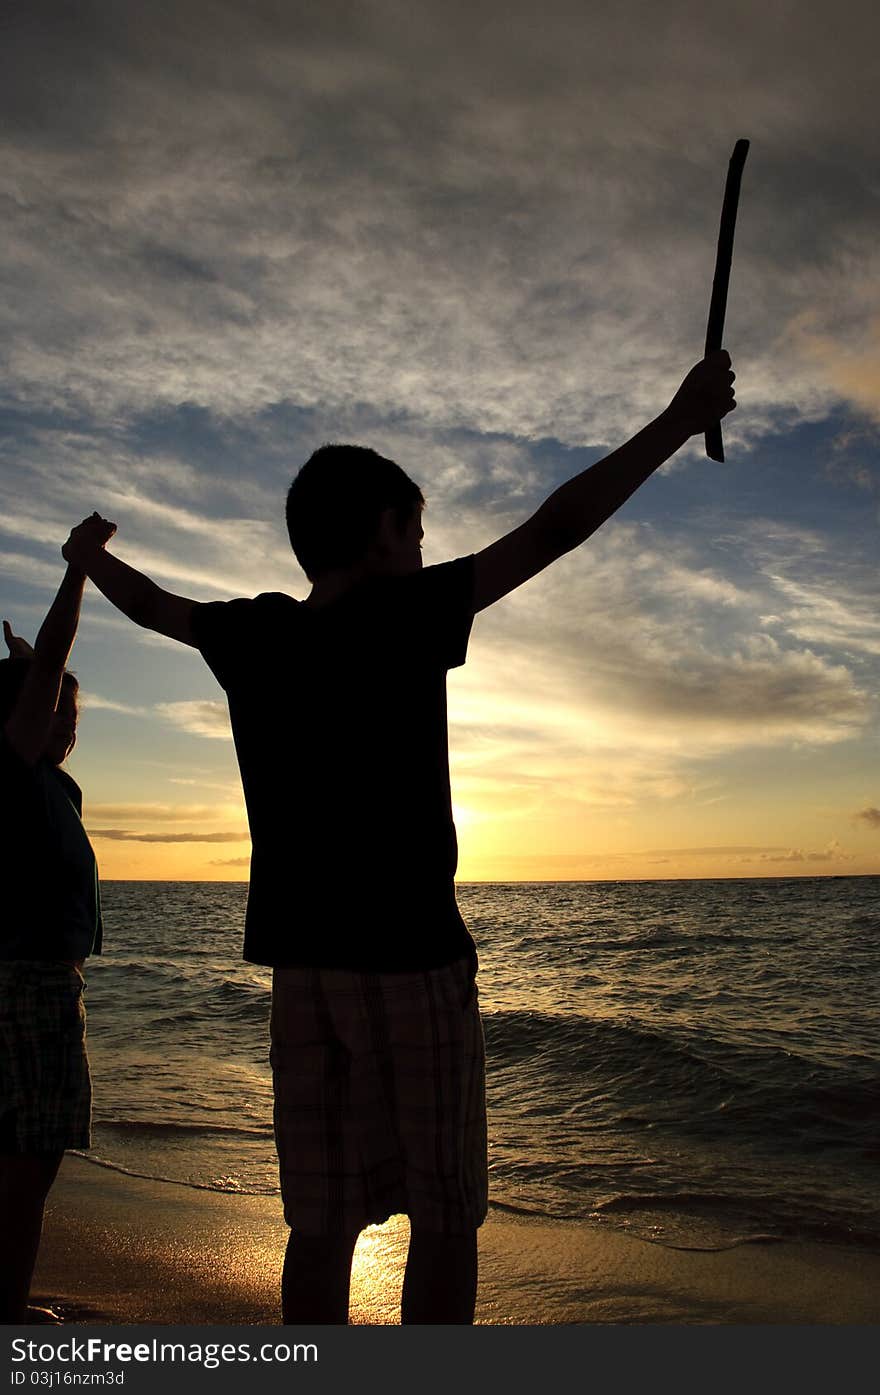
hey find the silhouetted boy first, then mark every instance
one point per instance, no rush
(338, 710)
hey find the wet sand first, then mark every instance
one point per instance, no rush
(124, 1250)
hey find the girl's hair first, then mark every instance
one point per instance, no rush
(12, 675)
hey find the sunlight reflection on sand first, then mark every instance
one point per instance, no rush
(377, 1272)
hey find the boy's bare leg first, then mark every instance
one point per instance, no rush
(25, 1179)
(316, 1278)
(440, 1282)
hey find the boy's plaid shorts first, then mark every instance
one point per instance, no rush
(380, 1104)
(45, 1090)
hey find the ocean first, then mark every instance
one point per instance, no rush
(693, 1062)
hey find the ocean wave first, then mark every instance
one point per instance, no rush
(735, 1219)
(577, 1040)
(198, 999)
(226, 1186)
(867, 925)
(151, 1128)
(594, 1047)
(632, 1075)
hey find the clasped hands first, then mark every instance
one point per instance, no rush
(86, 539)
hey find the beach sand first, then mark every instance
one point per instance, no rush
(122, 1250)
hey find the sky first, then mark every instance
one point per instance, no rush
(478, 238)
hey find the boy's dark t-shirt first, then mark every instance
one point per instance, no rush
(339, 720)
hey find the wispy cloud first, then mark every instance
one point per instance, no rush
(202, 783)
(97, 703)
(833, 852)
(201, 718)
(163, 813)
(125, 835)
(817, 615)
(31, 570)
(723, 851)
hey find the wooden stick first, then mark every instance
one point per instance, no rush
(721, 278)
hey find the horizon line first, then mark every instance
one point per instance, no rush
(546, 881)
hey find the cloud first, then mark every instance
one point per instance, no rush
(495, 253)
(870, 816)
(124, 835)
(95, 702)
(31, 570)
(36, 529)
(228, 787)
(192, 539)
(625, 678)
(735, 856)
(200, 717)
(640, 648)
(165, 813)
(230, 862)
(850, 364)
(838, 618)
(723, 851)
(833, 852)
(848, 463)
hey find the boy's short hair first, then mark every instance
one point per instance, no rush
(12, 675)
(336, 501)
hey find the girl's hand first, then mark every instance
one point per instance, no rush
(18, 647)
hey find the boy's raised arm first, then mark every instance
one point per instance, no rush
(130, 591)
(575, 510)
